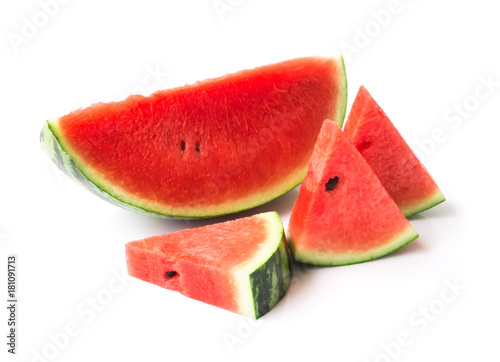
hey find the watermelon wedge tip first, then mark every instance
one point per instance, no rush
(404, 177)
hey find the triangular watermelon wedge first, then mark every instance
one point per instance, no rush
(395, 164)
(214, 147)
(343, 214)
(240, 265)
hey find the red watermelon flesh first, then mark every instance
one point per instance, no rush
(240, 265)
(343, 214)
(215, 147)
(398, 168)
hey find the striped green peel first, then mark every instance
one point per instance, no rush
(51, 146)
(264, 280)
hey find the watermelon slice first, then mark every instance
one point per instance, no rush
(215, 147)
(343, 214)
(240, 265)
(397, 167)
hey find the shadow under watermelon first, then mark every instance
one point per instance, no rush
(282, 205)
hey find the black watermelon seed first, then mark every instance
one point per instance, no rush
(197, 147)
(183, 145)
(170, 274)
(330, 185)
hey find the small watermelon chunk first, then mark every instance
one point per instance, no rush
(240, 265)
(343, 214)
(211, 148)
(395, 164)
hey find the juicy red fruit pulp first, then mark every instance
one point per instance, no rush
(382, 146)
(210, 142)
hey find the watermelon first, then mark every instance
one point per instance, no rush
(240, 265)
(394, 163)
(343, 214)
(214, 147)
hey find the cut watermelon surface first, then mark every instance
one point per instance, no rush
(398, 168)
(215, 147)
(343, 214)
(240, 265)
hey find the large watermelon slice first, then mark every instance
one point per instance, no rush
(343, 214)
(215, 147)
(240, 265)
(385, 150)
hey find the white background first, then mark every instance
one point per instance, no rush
(423, 63)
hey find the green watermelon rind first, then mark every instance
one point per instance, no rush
(265, 280)
(424, 205)
(54, 148)
(56, 153)
(341, 108)
(334, 259)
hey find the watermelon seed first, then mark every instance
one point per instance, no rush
(170, 274)
(198, 147)
(183, 145)
(330, 185)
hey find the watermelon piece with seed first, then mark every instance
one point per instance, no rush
(240, 265)
(395, 164)
(343, 214)
(214, 147)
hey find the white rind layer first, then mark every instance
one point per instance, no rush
(275, 236)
